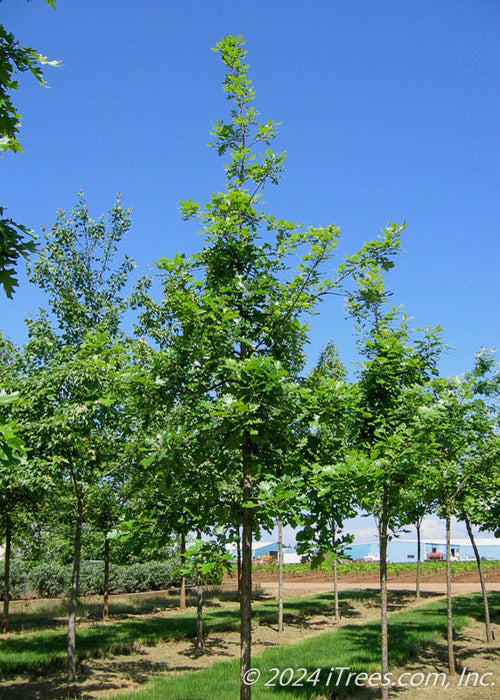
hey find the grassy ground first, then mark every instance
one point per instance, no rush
(38, 644)
(52, 612)
(44, 648)
(356, 647)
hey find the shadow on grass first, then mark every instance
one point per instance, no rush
(43, 650)
(411, 635)
(299, 611)
(52, 613)
(355, 646)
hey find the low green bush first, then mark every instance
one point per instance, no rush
(18, 579)
(131, 579)
(160, 574)
(92, 577)
(49, 580)
(136, 578)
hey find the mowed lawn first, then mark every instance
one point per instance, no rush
(143, 622)
(356, 647)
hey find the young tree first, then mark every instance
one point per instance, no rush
(13, 489)
(444, 438)
(75, 423)
(395, 368)
(327, 486)
(278, 502)
(481, 389)
(188, 489)
(102, 513)
(458, 427)
(76, 413)
(233, 312)
(415, 509)
(20, 484)
(205, 560)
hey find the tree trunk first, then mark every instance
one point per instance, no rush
(419, 559)
(6, 587)
(280, 575)
(246, 574)
(182, 592)
(336, 590)
(487, 623)
(451, 653)
(105, 608)
(335, 576)
(384, 642)
(200, 639)
(238, 561)
(75, 580)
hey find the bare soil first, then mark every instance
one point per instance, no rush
(491, 576)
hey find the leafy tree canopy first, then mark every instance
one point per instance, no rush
(15, 239)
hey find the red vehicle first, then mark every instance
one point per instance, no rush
(435, 556)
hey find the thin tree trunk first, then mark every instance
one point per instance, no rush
(487, 623)
(105, 609)
(451, 653)
(335, 576)
(280, 575)
(246, 574)
(238, 561)
(336, 590)
(182, 593)
(419, 559)
(384, 642)
(200, 639)
(6, 586)
(75, 580)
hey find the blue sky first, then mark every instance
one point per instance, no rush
(389, 111)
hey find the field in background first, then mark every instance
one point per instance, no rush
(359, 570)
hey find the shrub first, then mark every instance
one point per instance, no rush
(91, 577)
(158, 574)
(130, 579)
(150, 576)
(49, 580)
(18, 579)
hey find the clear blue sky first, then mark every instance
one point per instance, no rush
(389, 111)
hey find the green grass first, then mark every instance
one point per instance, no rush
(354, 646)
(53, 612)
(45, 648)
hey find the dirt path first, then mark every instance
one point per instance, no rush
(298, 588)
